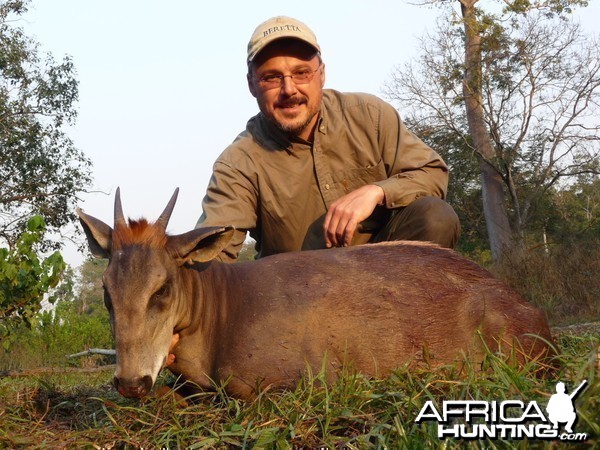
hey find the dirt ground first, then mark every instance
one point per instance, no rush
(577, 329)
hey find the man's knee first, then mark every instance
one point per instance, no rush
(426, 219)
(437, 216)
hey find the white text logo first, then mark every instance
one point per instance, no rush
(509, 419)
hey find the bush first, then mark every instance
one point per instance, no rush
(564, 280)
(55, 334)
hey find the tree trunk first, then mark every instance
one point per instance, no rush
(494, 208)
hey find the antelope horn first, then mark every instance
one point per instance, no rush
(119, 217)
(163, 220)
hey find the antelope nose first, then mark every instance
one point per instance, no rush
(134, 387)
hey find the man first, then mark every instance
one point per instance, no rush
(317, 168)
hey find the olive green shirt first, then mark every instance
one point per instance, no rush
(279, 190)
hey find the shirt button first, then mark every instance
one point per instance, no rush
(326, 187)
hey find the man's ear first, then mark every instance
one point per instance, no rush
(322, 75)
(98, 234)
(199, 245)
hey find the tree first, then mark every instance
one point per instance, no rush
(518, 92)
(90, 298)
(41, 171)
(574, 214)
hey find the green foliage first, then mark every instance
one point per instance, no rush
(24, 278)
(78, 321)
(564, 216)
(548, 7)
(574, 212)
(354, 412)
(41, 171)
(55, 334)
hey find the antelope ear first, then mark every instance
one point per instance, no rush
(99, 235)
(199, 245)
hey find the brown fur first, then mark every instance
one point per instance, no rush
(253, 325)
(139, 232)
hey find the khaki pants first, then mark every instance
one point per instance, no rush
(426, 219)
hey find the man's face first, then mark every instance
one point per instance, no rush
(293, 108)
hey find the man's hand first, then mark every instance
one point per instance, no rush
(346, 213)
(171, 355)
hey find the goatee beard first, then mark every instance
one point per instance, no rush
(292, 130)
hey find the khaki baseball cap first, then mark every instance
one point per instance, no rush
(278, 28)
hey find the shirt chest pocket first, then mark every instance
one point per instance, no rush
(349, 180)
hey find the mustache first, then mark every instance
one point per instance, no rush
(290, 102)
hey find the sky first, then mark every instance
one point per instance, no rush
(162, 85)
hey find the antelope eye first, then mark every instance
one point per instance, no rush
(161, 292)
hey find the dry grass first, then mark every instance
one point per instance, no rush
(565, 282)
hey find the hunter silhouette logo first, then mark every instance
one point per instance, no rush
(508, 419)
(560, 406)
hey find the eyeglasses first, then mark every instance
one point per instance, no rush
(302, 76)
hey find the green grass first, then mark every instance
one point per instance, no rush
(75, 411)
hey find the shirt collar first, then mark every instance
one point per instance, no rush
(267, 134)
